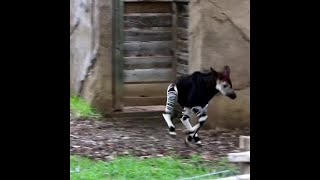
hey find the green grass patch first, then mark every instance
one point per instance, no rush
(123, 168)
(82, 109)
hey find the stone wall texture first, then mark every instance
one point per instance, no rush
(91, 52)
(219, 34)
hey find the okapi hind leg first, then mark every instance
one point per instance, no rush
(185, 119)
(202, 115)
(195, 137)
(191, 131)
(172, 94)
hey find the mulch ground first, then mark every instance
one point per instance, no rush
(105, 139)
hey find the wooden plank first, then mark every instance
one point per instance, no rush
(182, 33)
(147, 35)
(145, 90)
(147, 62)
(239, 157)
(181, 0)
(148, 29)
(182, 45)
(152, 48)
(148, 7)
(145, 101)
(182, 69)
(182, 55)
(174, 36)
(182, 61)
(239, 177)
(147, 20)
(147, 14)
(158, 108)
(183, 9)
(182, 58)
(179, 74)
(117, 89)
(244, 168)
(182, 22)
(244, 143)
(140, 113)
(148, 75)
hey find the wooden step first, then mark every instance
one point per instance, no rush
(149, 48)
(149, 62)
(133, 101)
(139, 111)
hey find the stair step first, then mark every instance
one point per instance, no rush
(139, 111)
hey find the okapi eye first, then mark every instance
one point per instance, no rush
(225, 86)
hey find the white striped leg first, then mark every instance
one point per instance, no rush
(186, 113)
(172, 129)
(172, 94)
(185, 119)
(202, 115)
(195, 137)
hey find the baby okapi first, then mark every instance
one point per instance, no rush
(193, 93)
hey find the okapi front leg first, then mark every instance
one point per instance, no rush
(185, 119)
(172, 94)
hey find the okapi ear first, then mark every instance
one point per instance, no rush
(215, 73)
(226, 71)
(212, 70)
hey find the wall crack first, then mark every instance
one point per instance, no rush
(75, 26)
(243, 34)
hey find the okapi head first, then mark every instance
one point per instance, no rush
(223, 82)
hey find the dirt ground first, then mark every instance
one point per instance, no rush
(103, 140)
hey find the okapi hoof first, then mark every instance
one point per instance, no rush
(188, 140)
(198, 142)
(172, 132)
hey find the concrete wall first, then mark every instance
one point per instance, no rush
(219, 34)
(91, 52)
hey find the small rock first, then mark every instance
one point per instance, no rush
(110, 158)
(125, 153)
(100, 142)
(144, 157)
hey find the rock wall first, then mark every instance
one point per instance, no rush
(219, 34)
(91, 52)
(81, 30)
